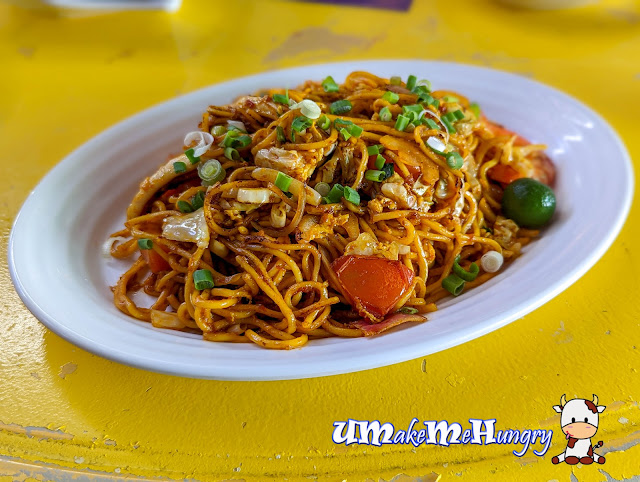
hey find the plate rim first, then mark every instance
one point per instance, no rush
(361, 363)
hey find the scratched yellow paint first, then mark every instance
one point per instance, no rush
(66, 77)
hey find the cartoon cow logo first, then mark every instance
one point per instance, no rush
(579, 421)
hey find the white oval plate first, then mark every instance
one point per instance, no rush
(55, 247)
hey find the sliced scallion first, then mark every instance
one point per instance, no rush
(231, 154)
(324, 122)
(380, 160)
(411, 82)
(211, 171)
(322, 188)
(191, 157)
(395, 80)
(218, 130)
(454, 160)
(280, 135)
(453, 284)
(145, 243)
(450, 99)
(408, 310)
(475, 108)
(375, 149)
(401, 123)
(281, 99)
(374, 175)
(340, 107)
(351, 195)
(179, 167)
(203, 279)
(391, 97)
(463, 273)
(197, 201)
(345, 134)
(335, 194)
(283, 181)
(329, 85)
(385, 114)
(447, 123)
(431, 123)
(184, 207)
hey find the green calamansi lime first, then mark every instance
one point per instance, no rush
(529, 203)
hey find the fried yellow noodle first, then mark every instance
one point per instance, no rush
(255, 255)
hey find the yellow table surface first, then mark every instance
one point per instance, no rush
(66, 77)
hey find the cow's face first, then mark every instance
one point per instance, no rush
(579, 417)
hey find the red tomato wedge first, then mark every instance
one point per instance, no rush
(372, 285)
(504, 174)
(155, 262)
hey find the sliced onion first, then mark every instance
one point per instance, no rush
(108, 244)
(204, 140)
(308, 108)
(296, 187)
(436, 144)
(237, 124)
(256, 195)
(491, 261)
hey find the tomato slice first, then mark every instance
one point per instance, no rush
(155, 262)
(372, 285)
(504, 174)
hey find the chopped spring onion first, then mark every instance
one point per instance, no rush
(491, 261)
(323, 188)
(203, 139)
(345, 134)
(184, 207)
(283, 181)
(355, 130)
(402, 122)
(229, 139)
(411, 126)
(373, 175)
(197, 201)
(179, 167)
(375, 149)
(414, 109)
(351, 195)
(436, 145)
(231, 154)
(380, 161)
(454, 160)
(218, 130)
(145, 243)
(281, 99)
(203, 279)
(450, 99)
(335, 194)
(391, 97)
(385, 114)
(388, 169)
(453, 284)
(301, 123)
(411, 82)
(280, 134)
(329, 85)
(395, 80)
(448, 125)
(308, 108)
(324, 122)
(408, 310)
(191, 156)
(424, 83)
(343, 122)
(242, 141)
(426, 98)
(431, 123)
(236, 126)
(340, 107)
(475, 108)
(463, 273)
(458, 114)
(211, 171)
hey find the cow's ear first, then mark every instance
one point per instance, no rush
(601, 408)
(558, 408)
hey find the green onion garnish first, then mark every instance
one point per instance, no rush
(424, 83)
(242, 141)
(191, 157)
(463, 273)
(283, 181)
(454, 160)
(401, 123)
(324, 122)
(203, 279)
(407, 310)
(453, 284)
(388, 169)
(280, 135)
(385, 114)
(355, 130)
(179, 167)
(475, 108)
(391, 97)
(450, 98)
(380, 160)
(351, 195)
(431, 123)
(345, 134)
(231, 154)
(230, 138)
(344, 122)
(322, 188)
(414, 109)
(375, 149)
(218, 130)
(301, 123)
(340, 107)
(211, 171)
(184, 207)
(373, 175)
(425, 98)
(411, 82)
(335, 194)
(197, 201)
(281, 99)
(458, 114)
(395, 80)
(448, 125)
(145, 243)
(329, 85)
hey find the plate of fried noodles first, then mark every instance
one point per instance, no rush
(320, 220)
